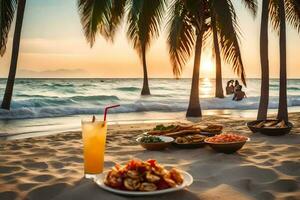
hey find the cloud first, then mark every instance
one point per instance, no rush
(59, 73)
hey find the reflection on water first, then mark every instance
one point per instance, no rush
(206, 87)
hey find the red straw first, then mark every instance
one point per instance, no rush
(108, 107)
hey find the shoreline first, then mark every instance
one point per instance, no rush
(52, 166)
(26, 128)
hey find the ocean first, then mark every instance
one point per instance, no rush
(35, 101)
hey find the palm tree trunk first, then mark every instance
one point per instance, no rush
(145, 90)
(219, 87)
(264, 63)
(282, 109)
(14, 58)
(194, 109)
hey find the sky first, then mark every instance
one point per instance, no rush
(53, 45)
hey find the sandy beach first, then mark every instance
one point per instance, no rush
(52, 166)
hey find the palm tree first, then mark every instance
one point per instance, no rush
(189, 27)
(143, 20)
(219, 86)
(282, 108)
(252, 6)
(16, 44)
(264, 62)
(279, 11)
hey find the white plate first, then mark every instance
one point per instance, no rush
(188, 180)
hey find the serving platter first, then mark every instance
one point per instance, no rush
(187, 181)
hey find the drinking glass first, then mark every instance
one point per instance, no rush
(94, 138)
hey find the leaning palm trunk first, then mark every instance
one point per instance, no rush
(14, 58)
(194, 109)
(282, 109)
(264, 63)
(219, 87)
(145, 90)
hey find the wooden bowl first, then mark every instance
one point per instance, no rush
(190, 145)
(228, 148)
(158, 145)
(268, 130)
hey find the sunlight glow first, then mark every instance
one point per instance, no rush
(207, 66)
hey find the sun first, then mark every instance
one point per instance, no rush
(207, 66)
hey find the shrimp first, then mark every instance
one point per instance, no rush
(170, 182)
(113, 179)
(132, 184)
(148, 187)
(176, 176)
(132, 174)
(151, 177)
(159, 170)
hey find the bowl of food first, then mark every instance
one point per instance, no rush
(270, 127)
(189, 141)
(211, 130)
(227, 142)
(142, 178)
(154, 143)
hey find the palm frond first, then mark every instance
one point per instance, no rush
(251, 5)
(144, 21)
(117, 12)
(94, 16)
(7, 11)
(293, 13)
(181, 38)
(228, 30)
(274, 15)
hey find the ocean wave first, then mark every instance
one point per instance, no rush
(57, 85)
(32, 96)
(95, 98)
(66, 106)
(128, 89)
(37, 101)
(293, 88)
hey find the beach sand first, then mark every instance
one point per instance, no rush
(52, 166)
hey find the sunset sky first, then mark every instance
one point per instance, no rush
(53, 44)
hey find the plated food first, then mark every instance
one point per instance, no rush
(143, 176)
(271, 124)
(213, 128)
(154, 142)
(183, 129)
(226, 138)
(227, 142)
(190, 141)
(174, 130)
(185, 135)
(270, 127)
(150, 139)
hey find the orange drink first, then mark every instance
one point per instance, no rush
(94, 138)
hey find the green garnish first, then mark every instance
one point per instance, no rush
(161, 127)
(150, 139)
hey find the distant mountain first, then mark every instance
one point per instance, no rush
(59, 73)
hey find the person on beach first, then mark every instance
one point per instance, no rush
(239, 94)
(236, 85)
(230, 87)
